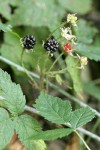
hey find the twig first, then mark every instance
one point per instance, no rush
(30, 109)
(18, 67)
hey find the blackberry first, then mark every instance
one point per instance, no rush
(51, 45)
(28, 42)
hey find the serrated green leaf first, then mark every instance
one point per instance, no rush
(92, 90)
(25, 127)
(74, 71)
(91, 52)
(85, 32)
(6, 128)
(37, 13)
(53, 108)
(81, 116)
(77, 6)
(5, 28)
(12, 94)
(51, 134)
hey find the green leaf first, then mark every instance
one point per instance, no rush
(5, 9)
(53, 108)
(92, 90)
(25, 127)
(37, 13)
(51, 134)
(81, 116)
(77, 6)
(74, 71)
(85, 32)
(92, 52)
(6, 128)
(12, 94)
(5, 28)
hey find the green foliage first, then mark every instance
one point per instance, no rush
(28, 129)
(40, 17)
(85, 32)
(25, 126)
(12, 94)
(74, 71)
(34, 13)
(58, 111)
(51, 134)
(92, 90)
(77, 6)
(5, 28)
(91, 52)
(6, 128)
(81, 116)
(5, 9)
(13, 47)
(53, 108)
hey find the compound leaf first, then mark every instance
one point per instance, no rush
(53, 108)
(81, 116)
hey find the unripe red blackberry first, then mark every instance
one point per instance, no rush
(28, 42)
(51, 45)
(68, 47)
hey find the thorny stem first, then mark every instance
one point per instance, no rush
(82, 140)
(25, 70)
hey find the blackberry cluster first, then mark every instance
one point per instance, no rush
(28, 42)
(51, 45)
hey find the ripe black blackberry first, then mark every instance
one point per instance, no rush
(28, 42)
(51, 45)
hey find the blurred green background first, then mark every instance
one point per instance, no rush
(40, 18)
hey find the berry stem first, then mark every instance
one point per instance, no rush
(58, 72)
(14, 33)
(55, 61)
(47, 78)
(82, 140)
